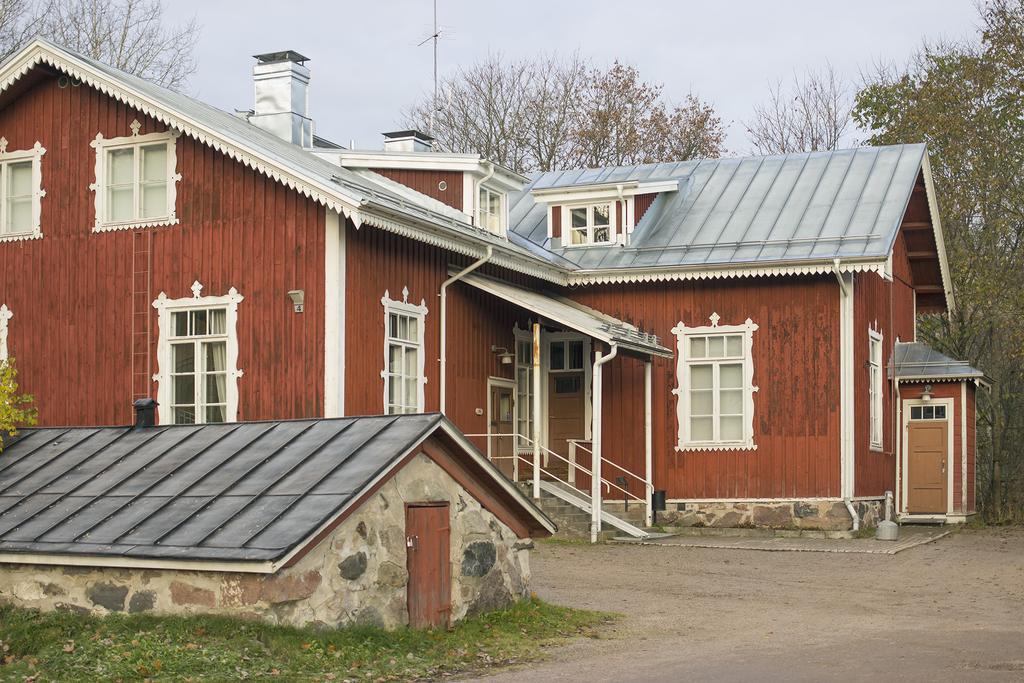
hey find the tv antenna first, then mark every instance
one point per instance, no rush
(433, 37)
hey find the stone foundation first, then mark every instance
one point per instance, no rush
(825, 515)
(356, 576)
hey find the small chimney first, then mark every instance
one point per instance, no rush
(408, 141)
(145, 413)
(281, 83)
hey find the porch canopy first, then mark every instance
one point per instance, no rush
(573, 315)
(917, 362)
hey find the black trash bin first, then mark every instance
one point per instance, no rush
(657, 504)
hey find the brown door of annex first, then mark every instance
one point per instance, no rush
(927, 445)
(566, 413)
(502, 449)
(427, 543)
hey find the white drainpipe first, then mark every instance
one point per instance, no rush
(845, 383)
(595, 442)
(444, 318)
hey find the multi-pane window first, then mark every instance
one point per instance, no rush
(136, 183)
(590, 224)
(928, 412)
(403, 377)
(875, 394)
(524, 392)
(490, 211)
(716, 392)
(135, 180)
(715, 368)
(565, 355)
(199, 371)
(20, 192)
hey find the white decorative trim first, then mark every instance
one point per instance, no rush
(672, 273)
(963, 448)
(682, 390)
(334, 316)
(419, 312)
(874, 335)
(165, 307)
(35, 155)
(5, 315)
(135, 140)
(940, 242)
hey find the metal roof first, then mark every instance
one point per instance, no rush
(242, 492)
(573, 315)
(917, 361)
(784, 208)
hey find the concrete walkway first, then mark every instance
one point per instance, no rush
(910, 537)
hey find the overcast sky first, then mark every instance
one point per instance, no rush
(366, 65)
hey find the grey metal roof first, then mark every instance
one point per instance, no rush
(573, 315)
(358, 189)
(231, 492)
(917, 361)
(784, 208)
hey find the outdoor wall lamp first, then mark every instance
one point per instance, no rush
(926, 395)
(298, 297)
(506, 356)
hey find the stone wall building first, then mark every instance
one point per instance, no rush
(388, 521)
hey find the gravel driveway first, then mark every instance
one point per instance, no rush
(949, 610)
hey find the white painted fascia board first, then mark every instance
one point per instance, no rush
(940, 242)
(767, 269)
(582, 193)
(424, 161)
(127, 562)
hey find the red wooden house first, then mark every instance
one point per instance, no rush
(738, 333)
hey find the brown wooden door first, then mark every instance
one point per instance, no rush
(502, 412)
(427, 542)
(927, 445)
(566, 412)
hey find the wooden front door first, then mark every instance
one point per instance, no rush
(927, 446)
(502, 448)
(566, 412)
(427, 548)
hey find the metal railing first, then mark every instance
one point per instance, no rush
(573, 466)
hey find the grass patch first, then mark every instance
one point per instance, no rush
(865, 532)
(63, 646)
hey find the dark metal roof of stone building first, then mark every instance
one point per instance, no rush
(242, 492)
(917, 361)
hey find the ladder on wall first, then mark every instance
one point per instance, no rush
(142, 314)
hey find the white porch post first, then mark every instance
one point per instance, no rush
(595, 444)
(648, 443)
(536, 410)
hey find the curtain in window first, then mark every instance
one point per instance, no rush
(120, 184)
(216, 382)
(154, 181)
(19, 197)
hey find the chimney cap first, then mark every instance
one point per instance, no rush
(284, 56)
(145, 412)
(399, 134)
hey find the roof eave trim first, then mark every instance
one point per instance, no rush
(940, 242)
(130, 562)
(670, 273)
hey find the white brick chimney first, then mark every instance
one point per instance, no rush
(281, 84)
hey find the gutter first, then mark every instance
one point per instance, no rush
(444, 318)
(845, 391)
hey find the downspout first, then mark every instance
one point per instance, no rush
(845, 446)
(595, 442)
(621, 227)
(444, 318)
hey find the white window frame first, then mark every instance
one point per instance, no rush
(589, 206)
(5, 315)
(419, 314)
(165, 307)
(502, 209)
(35, 155)
(876, 391)
(524, 428)
(682, 390)
(104, 146)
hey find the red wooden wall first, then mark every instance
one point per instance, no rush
(796, 367)
(428, 183)
(71, 291)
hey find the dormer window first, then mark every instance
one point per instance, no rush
(590, 224)
(490, 212)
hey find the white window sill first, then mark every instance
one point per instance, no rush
(132, 225)
(718, 446)
(877, 448)
(19, 236)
